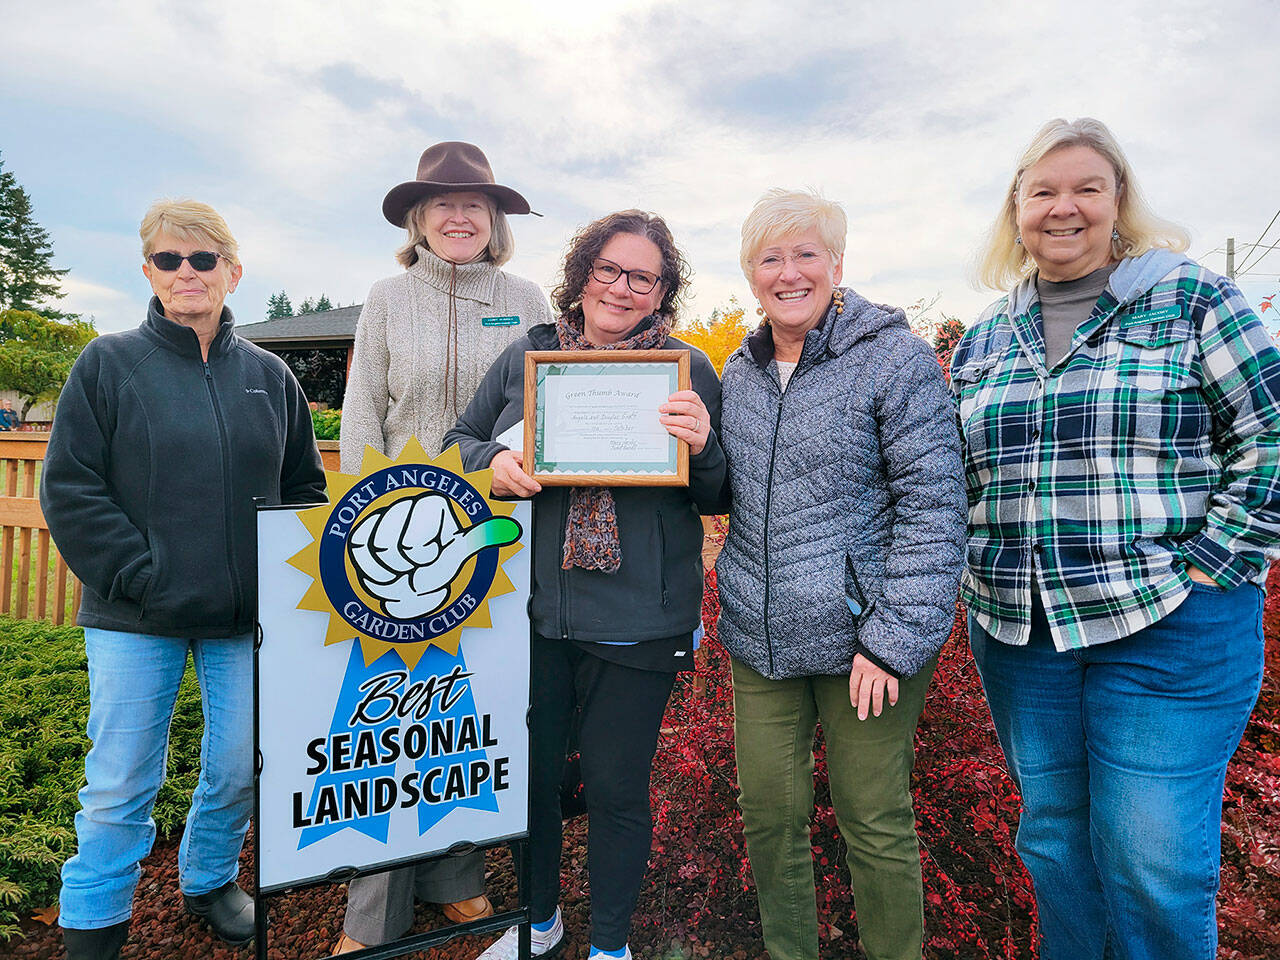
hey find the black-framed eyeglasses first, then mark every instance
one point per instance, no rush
(201, 262)
(640, 281)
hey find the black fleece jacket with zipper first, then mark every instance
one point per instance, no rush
(154, 462)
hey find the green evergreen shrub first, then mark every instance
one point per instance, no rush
(44, 705)
(327, 423)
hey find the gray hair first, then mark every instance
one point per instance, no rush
(784, 213)
(188, 220)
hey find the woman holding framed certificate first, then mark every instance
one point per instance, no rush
(617, 574)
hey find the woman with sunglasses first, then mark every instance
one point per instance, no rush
(425, 338)
(617, 575)
(163, 437)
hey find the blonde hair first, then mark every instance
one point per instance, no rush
(188, 220)
(1002, 261)
(502, 243)
(785, 213)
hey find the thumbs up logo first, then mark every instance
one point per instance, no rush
(407, 554)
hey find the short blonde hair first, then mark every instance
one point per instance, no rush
(502, 242)
(785, 213)
(188, 220)
(1002, 261)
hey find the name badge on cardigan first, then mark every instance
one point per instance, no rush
(1150, 316)
(499, 321)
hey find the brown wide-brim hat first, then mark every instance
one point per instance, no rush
(445, 168)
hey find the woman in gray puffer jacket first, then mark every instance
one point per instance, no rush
(839, 576)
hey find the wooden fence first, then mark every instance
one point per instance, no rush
(34, 580)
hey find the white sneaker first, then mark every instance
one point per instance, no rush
(597, 955)
(507, 946)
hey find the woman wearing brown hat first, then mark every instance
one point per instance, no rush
(425, 339)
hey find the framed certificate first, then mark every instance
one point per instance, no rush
(591, 417)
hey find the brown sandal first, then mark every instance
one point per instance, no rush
(464, 911)
(346, 945)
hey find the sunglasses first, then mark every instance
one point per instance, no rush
(201, 262)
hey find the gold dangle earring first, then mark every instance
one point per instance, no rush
(760, 312)
(837, 297)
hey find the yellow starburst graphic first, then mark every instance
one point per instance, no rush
(402, 557)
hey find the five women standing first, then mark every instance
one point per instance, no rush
(1120, 424)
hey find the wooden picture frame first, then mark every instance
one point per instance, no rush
(604, 398)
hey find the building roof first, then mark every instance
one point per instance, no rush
(331, 328)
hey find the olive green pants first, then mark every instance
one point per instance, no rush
(869, 770)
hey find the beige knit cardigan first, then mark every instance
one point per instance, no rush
(396, 386)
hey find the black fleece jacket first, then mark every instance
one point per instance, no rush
(657, 592)
(151, 471)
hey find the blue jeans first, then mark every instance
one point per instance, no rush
(1120, 751)
(133, 684)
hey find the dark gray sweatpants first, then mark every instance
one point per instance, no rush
(380, 907)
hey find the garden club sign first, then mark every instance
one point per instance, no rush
(393, 675)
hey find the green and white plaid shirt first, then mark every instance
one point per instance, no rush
(1153, 444)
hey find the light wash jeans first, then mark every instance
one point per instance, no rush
(1120, 751)
(133, 684)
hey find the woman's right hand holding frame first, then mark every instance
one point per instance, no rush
(509, 478)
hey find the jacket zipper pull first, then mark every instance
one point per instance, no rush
(207, 374)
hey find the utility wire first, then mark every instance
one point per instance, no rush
(1255, 244)
(1257, 260)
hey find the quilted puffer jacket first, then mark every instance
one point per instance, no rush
(847, 505)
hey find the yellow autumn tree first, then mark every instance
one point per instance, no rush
(717, 335)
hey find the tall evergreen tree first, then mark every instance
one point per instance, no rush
(279, 305)
(315, 306)
(27, 276)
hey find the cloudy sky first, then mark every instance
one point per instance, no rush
(294, 119)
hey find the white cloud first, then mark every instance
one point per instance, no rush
(110, 309)
(295, 118)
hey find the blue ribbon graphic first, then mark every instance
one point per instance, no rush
(434, 663)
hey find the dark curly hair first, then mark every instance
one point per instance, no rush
(587, 243)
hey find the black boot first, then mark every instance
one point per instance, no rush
(101, 944)
(228, 911)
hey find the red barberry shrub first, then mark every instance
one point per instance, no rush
(945, 337)
(1249, 898)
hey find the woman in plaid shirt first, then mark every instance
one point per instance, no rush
(1120, 409)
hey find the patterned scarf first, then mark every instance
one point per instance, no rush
(591, 533)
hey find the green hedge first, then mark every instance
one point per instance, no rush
(327, 423)
(44, 703)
